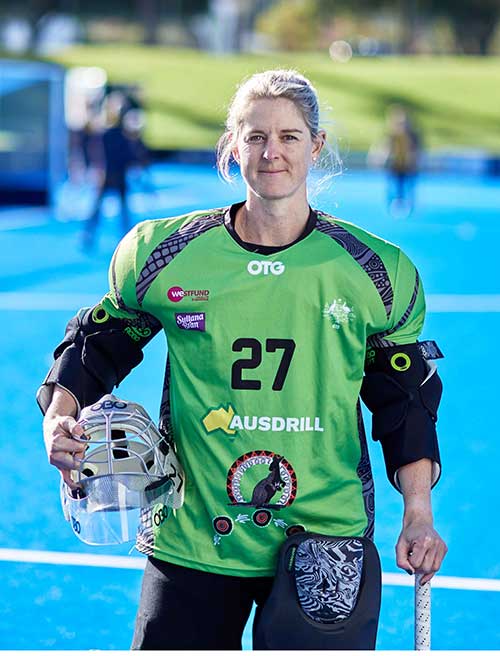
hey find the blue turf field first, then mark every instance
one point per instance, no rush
(44, 278)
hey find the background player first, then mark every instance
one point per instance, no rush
(118, 150)
(269, 308)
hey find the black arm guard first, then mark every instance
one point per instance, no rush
(96, 354)
(403, 392)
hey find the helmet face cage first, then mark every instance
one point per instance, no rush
(127, 467)
(121, 438)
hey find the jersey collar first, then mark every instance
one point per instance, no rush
(229, 219)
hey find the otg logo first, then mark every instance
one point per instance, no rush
(257, 267)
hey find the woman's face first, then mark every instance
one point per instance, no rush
(274, 149)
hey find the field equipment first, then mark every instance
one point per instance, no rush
(129, 472)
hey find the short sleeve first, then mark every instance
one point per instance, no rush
(121, 299)
(408, 312)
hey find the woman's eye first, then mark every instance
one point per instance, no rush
(254, 138)
(289, 137)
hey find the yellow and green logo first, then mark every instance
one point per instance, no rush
(219, 419)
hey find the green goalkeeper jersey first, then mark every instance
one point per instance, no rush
(266, 353)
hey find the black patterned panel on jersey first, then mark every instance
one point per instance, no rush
(165, 252)
(165, 424)
(328, 577)
(364, 471)
(143, 324)
(364, 256)
(379, 340)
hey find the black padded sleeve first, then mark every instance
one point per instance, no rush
(403, 392)
(96, 354)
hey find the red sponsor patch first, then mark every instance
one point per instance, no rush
(176, 294)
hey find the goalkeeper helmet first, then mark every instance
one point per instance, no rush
(128, 474)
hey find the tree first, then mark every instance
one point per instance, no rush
(149, 17)
(291, 24)
(474, 23)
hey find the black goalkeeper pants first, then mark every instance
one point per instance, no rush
(183, 608)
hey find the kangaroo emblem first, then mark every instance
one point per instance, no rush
(266, 488)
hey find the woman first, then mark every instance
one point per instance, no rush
(270, 308)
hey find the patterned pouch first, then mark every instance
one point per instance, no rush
(326, 595)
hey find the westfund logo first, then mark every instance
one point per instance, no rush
(176, 294)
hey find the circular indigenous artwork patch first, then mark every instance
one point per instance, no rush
(261, 479)
(262, 517)
(294, 529)
(222, 525)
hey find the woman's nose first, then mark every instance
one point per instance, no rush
(271, 151)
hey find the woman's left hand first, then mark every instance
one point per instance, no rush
(420, 549)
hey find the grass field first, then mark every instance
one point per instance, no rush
(455, 100)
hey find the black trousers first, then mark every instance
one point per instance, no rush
(183, 608)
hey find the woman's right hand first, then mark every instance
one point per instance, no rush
(60, 429)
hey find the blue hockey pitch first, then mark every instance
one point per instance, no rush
(73, 603)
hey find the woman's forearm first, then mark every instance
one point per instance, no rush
(62, 404)
(415, 481)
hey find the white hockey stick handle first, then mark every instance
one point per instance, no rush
(422, 614)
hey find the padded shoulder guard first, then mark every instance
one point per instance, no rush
(96, 354)
(402, 389)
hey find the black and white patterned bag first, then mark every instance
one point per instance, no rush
(326, 595)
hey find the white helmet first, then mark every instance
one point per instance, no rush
(129, 471)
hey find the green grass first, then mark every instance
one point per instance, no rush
(455, 100)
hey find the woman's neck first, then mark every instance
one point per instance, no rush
(271, 223)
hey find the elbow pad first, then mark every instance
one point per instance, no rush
(402, 389)
(96, 354)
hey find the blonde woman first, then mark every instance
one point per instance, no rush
(277, 316)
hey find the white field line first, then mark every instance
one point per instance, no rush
(138, 563)
(46, 302)
(68, 558)
(447, 582)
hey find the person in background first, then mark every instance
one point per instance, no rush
(119, 150)
(85, 148)
(404, 145)
(399, 154)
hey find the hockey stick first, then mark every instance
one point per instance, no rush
(422, 614)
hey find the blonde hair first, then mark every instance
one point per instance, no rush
(287, 84)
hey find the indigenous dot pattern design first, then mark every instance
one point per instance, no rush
(328, 577)
(363, 255)
(165, 252)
